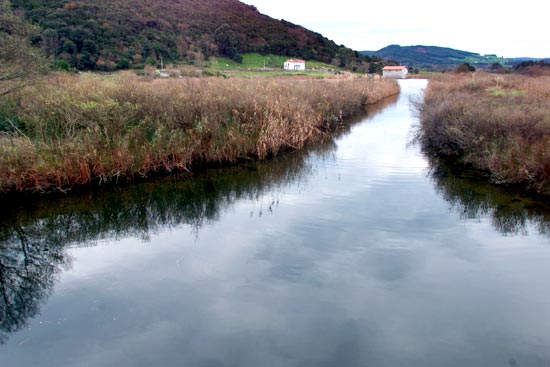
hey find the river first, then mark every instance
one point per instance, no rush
(360, 251)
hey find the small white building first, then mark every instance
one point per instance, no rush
(295, 64)
(162, 73)
(396, 72)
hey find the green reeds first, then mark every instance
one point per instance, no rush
(77, 130)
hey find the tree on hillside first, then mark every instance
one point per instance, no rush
(227, 42)
(465, 68)
(20, 62)
(346, 56)
(375, 68)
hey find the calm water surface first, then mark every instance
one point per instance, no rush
(358, 252)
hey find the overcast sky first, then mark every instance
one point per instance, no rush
(509, 29)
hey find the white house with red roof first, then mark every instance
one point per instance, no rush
(396, 72)
(295, 64)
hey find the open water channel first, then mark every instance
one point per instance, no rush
(356, 252)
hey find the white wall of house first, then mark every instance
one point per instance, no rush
(295, 65)
(395, 73)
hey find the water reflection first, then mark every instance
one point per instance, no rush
(34, 234)
(33, 242)
(473, 197)
(27, 271)
(144, 208)
(361, 263)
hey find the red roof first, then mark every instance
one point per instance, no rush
(295, 60)
(394, 67)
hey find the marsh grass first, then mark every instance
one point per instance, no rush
(498, 124)
(88, 129)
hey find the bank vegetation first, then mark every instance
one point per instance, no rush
(499, 124)
(74, 130)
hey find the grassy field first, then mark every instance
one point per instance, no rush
(258, 61)
(271, 73)
(74, 130)
(499, 124)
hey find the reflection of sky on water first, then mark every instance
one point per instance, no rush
(360, 263)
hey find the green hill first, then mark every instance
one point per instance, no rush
(106, 35)
(433, 57)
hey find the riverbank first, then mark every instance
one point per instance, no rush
(499, 124)
(70, 131)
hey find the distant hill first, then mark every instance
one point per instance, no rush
(105, 35)
(422, 55)
(433, 57)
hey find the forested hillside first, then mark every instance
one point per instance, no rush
(437, 58)
(109, 34)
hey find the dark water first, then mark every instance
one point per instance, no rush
(358, 252)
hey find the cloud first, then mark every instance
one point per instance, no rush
(470, 25)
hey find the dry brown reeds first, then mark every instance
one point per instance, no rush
(77, 130)
(497, 123)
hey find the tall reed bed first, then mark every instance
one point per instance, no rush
(77, 130)
(497, 123)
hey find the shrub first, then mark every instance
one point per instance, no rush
(465, 68)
